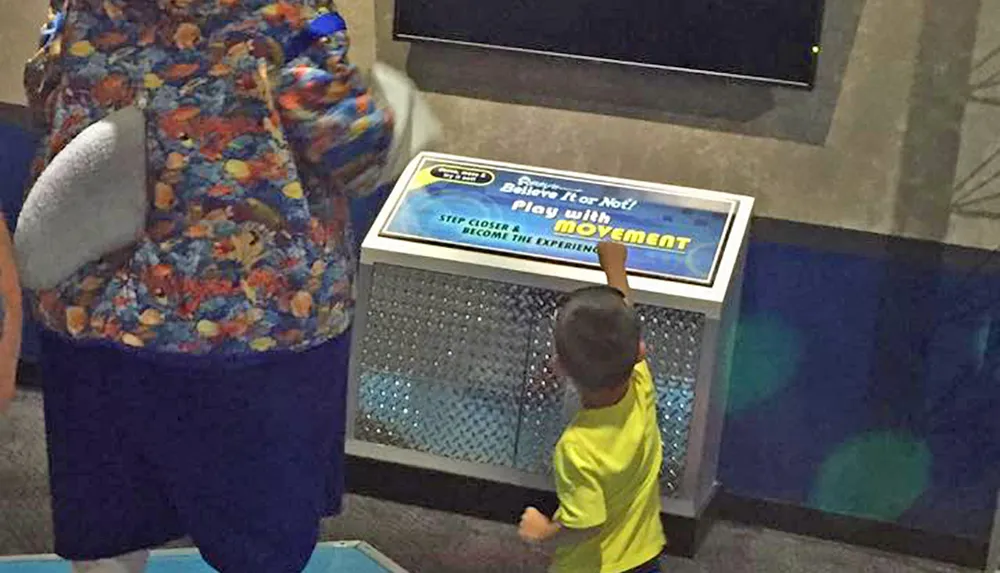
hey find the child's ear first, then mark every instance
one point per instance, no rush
(642, 350)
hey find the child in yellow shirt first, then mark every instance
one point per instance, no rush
(607, 462)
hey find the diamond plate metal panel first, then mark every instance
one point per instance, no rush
(442, 364)
(544, 412)
(673, 343)
(462, 368)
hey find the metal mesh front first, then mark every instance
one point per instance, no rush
(673, 341)
(461, 368)
(543, 415)
(442, 365)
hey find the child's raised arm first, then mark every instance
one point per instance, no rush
(613, 257)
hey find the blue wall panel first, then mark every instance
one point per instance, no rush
(804, 336)
(847, 400)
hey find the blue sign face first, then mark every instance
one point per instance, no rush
(535, 215)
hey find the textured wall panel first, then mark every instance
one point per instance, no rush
(462, 368)
(443, 363)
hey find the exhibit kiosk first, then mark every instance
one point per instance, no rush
(460, 277)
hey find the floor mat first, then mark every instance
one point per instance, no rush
(329, 557)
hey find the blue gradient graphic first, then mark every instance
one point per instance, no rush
(445, 211)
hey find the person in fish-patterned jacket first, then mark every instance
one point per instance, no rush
(195, 380)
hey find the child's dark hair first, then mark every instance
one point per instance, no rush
(597, 337)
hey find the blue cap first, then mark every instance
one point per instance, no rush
(321, 27)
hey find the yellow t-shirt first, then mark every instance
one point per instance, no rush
(607, 470)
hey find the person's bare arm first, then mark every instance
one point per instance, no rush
(10, 318)
(613, 257)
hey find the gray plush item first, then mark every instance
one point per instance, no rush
(91, 200)
(415, 126)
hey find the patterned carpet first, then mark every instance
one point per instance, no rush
(425, 541)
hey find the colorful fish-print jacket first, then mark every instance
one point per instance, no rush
(259, 133)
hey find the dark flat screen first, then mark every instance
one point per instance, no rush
(769, 40)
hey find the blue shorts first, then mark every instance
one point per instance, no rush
(650, 567)
(244, 455)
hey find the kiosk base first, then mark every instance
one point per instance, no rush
(489, 500)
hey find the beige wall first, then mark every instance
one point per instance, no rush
(856, 176)
(875, 147)
(22, 20)
(841, 183)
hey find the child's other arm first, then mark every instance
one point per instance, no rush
(10, 318)
(582, 511)
(536, 527)
(613, 257)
